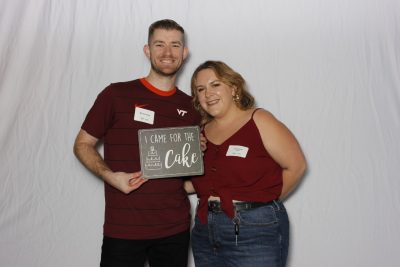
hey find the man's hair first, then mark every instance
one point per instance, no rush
(165, 24)
(227, 76)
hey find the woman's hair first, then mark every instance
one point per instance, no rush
(244, 100)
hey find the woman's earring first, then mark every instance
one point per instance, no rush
(236, 98)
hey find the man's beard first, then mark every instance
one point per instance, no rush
(162, 73)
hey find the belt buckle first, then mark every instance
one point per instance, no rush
(214, 206)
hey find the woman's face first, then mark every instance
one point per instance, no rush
(215, 97)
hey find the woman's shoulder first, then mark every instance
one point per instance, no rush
(261, 114)
(266, 122)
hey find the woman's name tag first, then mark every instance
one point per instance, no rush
(237, 151)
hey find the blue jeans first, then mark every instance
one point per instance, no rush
(262, 239)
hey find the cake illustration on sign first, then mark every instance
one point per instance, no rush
(153, 160)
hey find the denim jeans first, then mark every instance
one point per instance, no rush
(262, 239)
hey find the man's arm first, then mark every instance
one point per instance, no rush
(85, 150)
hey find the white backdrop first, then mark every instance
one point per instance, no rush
(330, 70)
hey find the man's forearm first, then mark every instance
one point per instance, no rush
(91, 159)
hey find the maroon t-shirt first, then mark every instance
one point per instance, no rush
(159, 207)
(234, 174)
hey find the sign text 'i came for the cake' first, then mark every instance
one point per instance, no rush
(170, 152)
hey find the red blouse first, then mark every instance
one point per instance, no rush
(234, 173)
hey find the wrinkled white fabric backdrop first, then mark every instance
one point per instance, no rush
(330, 70)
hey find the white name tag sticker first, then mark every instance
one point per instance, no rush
(237, 151)
(144, 115)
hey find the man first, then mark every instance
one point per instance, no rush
(144, 219)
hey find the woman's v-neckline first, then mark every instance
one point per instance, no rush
(231, 136)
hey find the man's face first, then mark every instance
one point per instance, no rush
(166, 51)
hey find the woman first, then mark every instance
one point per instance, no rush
(252, 162)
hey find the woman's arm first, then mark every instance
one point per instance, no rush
(188, 186)
(283, 148)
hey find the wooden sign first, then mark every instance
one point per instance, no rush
(170, 152)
